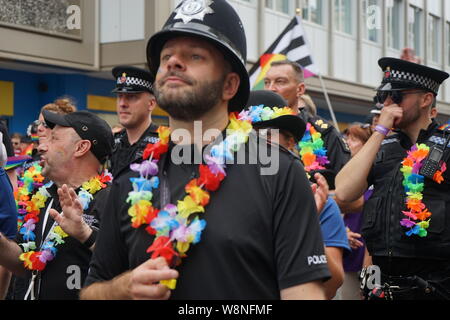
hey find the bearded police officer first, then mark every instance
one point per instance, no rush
(406, 221)
(135, 103)
(252, 240)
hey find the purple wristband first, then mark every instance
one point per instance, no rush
(383, 130)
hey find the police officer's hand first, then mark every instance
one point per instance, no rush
(143, 283)
(320, 191)
(71, 220)
(390, 116)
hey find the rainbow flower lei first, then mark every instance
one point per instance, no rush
(37, 260)
(417, 215)
(173, 227)
(261, 113)
(312, 151)
(29, 181)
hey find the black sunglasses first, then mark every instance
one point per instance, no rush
(396, 96)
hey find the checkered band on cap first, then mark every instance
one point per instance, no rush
(136, 82)
(415, 78)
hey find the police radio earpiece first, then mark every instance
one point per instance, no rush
(433, 162)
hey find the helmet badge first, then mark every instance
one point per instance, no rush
(193, 9)
(122, 79)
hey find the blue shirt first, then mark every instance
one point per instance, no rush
(8, 210)
(332, 225)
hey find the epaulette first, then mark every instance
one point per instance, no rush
(320, 125)
(118, 137)
(439, 140)
(151, 139)
(389, 141)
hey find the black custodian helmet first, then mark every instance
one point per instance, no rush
(215, 21)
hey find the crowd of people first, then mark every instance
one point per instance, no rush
(196, 211)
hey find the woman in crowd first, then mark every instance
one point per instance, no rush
(356, 136)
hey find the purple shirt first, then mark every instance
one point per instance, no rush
(353, 261)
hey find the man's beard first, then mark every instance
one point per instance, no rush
(410, 118)
(191, 103)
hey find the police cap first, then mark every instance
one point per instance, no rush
(403, 75)
(132, 80)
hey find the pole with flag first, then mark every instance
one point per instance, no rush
(291, 45)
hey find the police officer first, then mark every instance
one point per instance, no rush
(135, 103)
(286, 78)
(199, 57)
(405, 222)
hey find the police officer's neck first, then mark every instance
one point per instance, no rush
(135, 133)
(213, 123)
(413, 130)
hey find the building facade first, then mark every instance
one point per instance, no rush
(53, 48)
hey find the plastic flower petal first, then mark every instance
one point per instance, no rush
(146, 168)
(196, 228)
(162, 247)
(188, 207)
(200, 196)
(407, 223)
(85, 198)
(139, 212)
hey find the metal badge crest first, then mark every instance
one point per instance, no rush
(194, 9)
(122, 79)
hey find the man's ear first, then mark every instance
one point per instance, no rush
(301, 89)
(83, 147)
(231, 86)
(427, 100)
(151, 103)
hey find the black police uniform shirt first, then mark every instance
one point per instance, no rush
(64, 276)
(384, 235)
(124, 154)
(262, 234)
(338, 152)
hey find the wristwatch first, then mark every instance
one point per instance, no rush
(91, 240)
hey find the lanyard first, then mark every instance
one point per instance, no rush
(35, 273)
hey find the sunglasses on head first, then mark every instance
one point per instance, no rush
(396, 96)
(41, 123)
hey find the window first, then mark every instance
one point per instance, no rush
(434, 32)
(372, 20)
(343, 16)
(448, 42)
(313, 11)
(284, 6)
(394, 23)
(415, 29)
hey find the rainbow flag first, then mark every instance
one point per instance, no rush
(28, 151)
(445, 126)
(292, 45)
(17, 161)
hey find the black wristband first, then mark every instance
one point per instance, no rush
(91, 240)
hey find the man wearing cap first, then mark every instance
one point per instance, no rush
(405, 221)
(290, 130)
(287, 79)
(135, 103)
(52, 250)
(249, 242)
